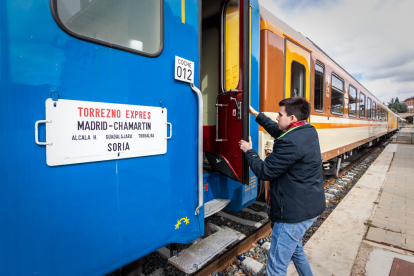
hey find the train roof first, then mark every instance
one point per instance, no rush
(284, 29)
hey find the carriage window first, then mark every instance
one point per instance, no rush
(374, 110)
(352, 101)
(319, 81)
(361, 105)
(378, 113)
(125, 24)
(337, 98)
(298, 80)
(231, 44)
(369, 103)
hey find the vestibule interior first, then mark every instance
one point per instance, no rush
(210, 70)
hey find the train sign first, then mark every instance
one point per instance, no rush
(79, 131)
(184, 70)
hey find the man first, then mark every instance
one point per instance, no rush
(294, 170)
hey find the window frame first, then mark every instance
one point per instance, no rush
(343, 93)
(365, 105)
(55, 15)
(356, 99)
(323, 87)
(369, 100)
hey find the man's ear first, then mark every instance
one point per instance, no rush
(294, 119)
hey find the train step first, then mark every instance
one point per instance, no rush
(214, 206)
(191, 259)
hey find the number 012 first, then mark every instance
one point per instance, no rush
(185, 70)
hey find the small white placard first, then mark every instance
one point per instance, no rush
(184, 70)
(92, 131)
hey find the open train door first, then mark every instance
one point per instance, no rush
(232, 103)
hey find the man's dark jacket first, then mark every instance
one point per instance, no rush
(294, 170)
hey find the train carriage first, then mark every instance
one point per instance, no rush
(346, 115)
(128, 155)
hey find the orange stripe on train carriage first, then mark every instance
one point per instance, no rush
(333, 125)
(340, 125)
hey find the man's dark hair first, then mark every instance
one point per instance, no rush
(297, 106)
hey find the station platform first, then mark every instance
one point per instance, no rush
(371, 232)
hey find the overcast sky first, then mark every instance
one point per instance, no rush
(372, 39)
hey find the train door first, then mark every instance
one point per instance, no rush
(97, 85)
(228, 43)
(297, 68)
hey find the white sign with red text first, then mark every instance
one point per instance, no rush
(91, 131)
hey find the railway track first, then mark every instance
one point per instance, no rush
(253, 227)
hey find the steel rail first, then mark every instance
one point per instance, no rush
(329, 182)
(221, 262)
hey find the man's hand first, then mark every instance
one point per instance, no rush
(244, 146)
(253, 111)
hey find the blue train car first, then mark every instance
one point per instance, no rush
(101, 126)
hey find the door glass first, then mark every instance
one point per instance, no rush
(135, 24)
(231, 45)
(298, 80)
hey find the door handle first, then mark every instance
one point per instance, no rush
(238, 108)
(217, 112)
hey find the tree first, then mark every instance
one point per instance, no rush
(409, 120)
(403, 108)
(390, 103)
(394, 110)
(400, 107)
(395, 104)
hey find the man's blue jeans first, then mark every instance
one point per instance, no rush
(287, 245)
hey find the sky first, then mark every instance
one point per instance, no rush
(373, 40)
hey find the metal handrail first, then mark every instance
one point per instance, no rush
(200, 148)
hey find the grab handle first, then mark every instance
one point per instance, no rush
(37, 133)
(169, 137)
(200, 149)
